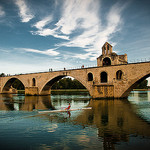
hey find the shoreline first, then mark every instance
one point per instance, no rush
(141, 90)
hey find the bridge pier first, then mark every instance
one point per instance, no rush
(31, 91)
(46, 92)
(35, 91)
(103, 91)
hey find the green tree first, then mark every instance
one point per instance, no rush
(142, 85)
(18, 85)
(2, 75)
(68, 83)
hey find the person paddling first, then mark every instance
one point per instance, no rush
(68, 107)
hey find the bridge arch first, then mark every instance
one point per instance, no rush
(134, 83)
(7, 88)
(46, 87)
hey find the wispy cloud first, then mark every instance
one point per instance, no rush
(44, 22)
(2, 12)
(82, 26)
(47, 31)
(94, 34)
(50, 52)
(82, 56)
(24, 11)
(78, 14)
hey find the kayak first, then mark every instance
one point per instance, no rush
(62, 110)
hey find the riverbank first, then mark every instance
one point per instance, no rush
(70, 91)
(141, 90)
(74, 91)
(64, 91)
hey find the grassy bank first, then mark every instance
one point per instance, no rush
(141, 90)
(64, 91)
(70, 92)
(21, 91)
(81, 90)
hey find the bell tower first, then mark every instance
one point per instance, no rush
(106, 49)
(109, 57)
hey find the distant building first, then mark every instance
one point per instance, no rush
(109, 57)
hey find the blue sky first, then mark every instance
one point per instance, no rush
(36, 35)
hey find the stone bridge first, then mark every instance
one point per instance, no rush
(112, 78)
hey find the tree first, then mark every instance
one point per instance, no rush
(68, 83)
(142, 85)
(18, 85)
(2, 75)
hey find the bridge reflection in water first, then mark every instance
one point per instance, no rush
(25, 103)
(115, 120)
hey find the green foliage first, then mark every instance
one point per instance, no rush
(142, 85)
(2, 75)
(68, 83)
(18, 85)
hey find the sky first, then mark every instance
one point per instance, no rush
(36, 35)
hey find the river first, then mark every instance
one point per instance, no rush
(109, 125)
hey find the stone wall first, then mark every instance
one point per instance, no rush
(31, 91)
(131, 73)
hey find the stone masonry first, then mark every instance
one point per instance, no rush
(112, 78)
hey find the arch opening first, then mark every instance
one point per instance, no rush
(108, 49)
(46, 90)
(33, 82)
(13, 85)
(63, 85)
(106, 61)
(103, 77)
(139, 84)
(90, 76)
(119, 75)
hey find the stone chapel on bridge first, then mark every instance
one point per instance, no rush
(109, 57)
(113, 77)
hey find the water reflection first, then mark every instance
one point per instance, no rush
(140, 95)
(30, 103)
(25, 103)
(115, 121)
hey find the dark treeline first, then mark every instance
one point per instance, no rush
(142, 85)
(2, 75)
(18, 85)
(68, 83)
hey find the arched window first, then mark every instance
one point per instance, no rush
(33, 82)
(103, 77)
(108, 49)
(119, 74)
(90, 77)
(106, 61)
(104, 50)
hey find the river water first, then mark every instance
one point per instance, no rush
(109, 125)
